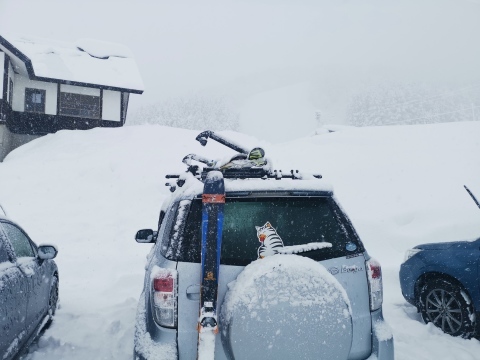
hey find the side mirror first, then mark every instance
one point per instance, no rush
(46, 252)
(146, 236)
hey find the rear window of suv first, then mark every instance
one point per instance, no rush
(296, 221)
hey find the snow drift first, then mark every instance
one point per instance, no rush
(90, 191)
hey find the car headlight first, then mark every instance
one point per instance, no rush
(410, 252)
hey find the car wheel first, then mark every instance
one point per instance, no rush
(448, 307)
(53, 299)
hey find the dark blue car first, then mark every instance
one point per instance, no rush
(28, 288)
(442, 281)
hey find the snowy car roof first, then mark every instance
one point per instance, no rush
(85, 62)
(316, 185)
(194, 187)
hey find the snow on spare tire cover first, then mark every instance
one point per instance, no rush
(286, 307)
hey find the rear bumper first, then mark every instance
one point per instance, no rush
(151, 345)
(382, 337)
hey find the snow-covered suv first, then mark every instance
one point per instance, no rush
(318, 297)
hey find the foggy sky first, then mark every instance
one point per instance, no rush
(245, 47)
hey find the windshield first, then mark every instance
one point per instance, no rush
(259, 227)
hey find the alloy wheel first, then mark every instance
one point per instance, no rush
(444, 310)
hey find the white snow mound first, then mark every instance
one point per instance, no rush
(294, 279)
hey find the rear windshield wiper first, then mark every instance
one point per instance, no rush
(296, 249)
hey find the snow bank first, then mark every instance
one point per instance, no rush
(88, 192)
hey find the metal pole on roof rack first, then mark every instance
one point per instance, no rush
(202, 138)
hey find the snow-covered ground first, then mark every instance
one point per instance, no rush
(89, 191)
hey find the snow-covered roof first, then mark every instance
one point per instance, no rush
(314, 185)
(194, 187)
(85, 62)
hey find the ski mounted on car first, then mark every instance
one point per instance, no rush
(213, 200)
(247, 164)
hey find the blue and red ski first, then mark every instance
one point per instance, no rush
(213, 199)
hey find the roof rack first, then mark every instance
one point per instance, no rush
(244, 165)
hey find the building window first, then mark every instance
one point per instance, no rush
(10, 92)
(86, 106)
(35, 100)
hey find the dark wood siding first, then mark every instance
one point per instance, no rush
(4, 105)
(79, 105)
(5, 111)
(41, 124)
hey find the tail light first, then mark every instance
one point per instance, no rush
(374, 274)
(164, 295)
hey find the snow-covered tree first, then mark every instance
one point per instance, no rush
(413, 103)
(189, 112)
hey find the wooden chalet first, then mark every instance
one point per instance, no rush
(47, 86)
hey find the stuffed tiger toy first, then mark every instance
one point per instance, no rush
(270, 240)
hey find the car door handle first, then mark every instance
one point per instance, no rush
(193, 292)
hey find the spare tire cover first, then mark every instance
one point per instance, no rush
(286, 307)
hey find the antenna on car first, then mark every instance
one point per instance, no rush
(3, 210)
(473, 196)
